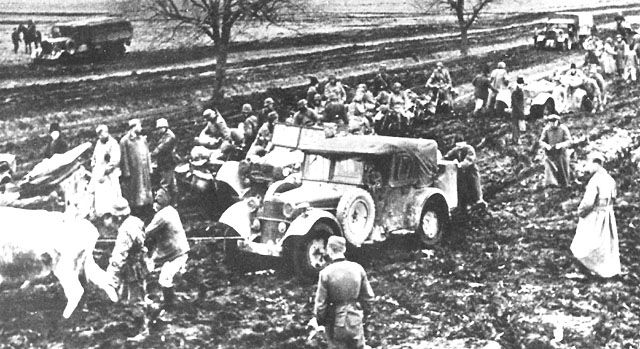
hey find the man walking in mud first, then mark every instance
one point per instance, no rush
(555, 140)
(342, 297)
(15, 39)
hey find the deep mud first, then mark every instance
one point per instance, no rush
(498, 277)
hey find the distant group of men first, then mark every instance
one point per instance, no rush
(27, 34)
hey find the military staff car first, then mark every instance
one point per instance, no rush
(364, 188)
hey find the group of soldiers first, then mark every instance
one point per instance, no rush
(617, 57)
(149, 226)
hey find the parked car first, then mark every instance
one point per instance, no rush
(564, 31)
(544, 96)
(364, 188)
(94, 37)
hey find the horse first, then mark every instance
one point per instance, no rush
(30, 36)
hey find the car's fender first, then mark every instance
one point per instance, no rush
(303, 223)
(238, 217)
(229, 175)
(435, 195)
(504, 96)
(541, 98)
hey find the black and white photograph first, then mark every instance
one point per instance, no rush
(393, 174)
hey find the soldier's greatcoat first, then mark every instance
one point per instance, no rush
(596, 241)
(135, 165)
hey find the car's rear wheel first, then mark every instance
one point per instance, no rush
(431, 228)
(309, 255)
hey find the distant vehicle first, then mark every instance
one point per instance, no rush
(364, 188)
(564, 31)
(95, 37)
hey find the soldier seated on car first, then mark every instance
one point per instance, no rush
(215, 135)
(440, 83)
(262, 143)
(305, 116)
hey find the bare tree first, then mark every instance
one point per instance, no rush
(216, 18)
(466, 12)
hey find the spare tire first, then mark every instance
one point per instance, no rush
(356, 212)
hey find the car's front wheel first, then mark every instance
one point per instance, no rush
(309, 254)
(431, 228)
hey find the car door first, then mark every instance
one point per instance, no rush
(396, 199)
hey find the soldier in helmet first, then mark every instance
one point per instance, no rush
(305, 116)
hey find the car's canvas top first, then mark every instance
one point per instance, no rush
(423, 151)
(91, 21)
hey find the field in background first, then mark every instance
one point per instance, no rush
(329, 6)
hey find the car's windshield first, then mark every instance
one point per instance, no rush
(341, 170)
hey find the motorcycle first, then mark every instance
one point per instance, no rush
(198, 175)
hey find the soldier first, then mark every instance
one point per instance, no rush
(15, 39)
(334, 86)
(105, 174)
(555, 139)
(215, 135)
(482, 85)
(168, 246)
(135, 167)
(382, 80)
(126, 264)
(164, 156)
(269, 106)
(595, 244)
(499, 81)
(304, 116)
(335, 111)
(342, 298)
(57, 144)
(262, 144)
(469, 184)
(440, 82)
(517, 109)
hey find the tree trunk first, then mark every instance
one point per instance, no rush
(221, 69)
(464, 40)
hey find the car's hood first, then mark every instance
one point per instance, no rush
(320, 195)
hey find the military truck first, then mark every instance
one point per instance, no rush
(93, 38)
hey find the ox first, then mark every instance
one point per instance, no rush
(34, 243)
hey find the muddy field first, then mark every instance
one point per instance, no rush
(498, 277)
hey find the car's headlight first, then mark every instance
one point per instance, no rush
(286, 171)
(277, 173)
(282, 227)
(288, 209)
(255, 225)
(253, 204)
